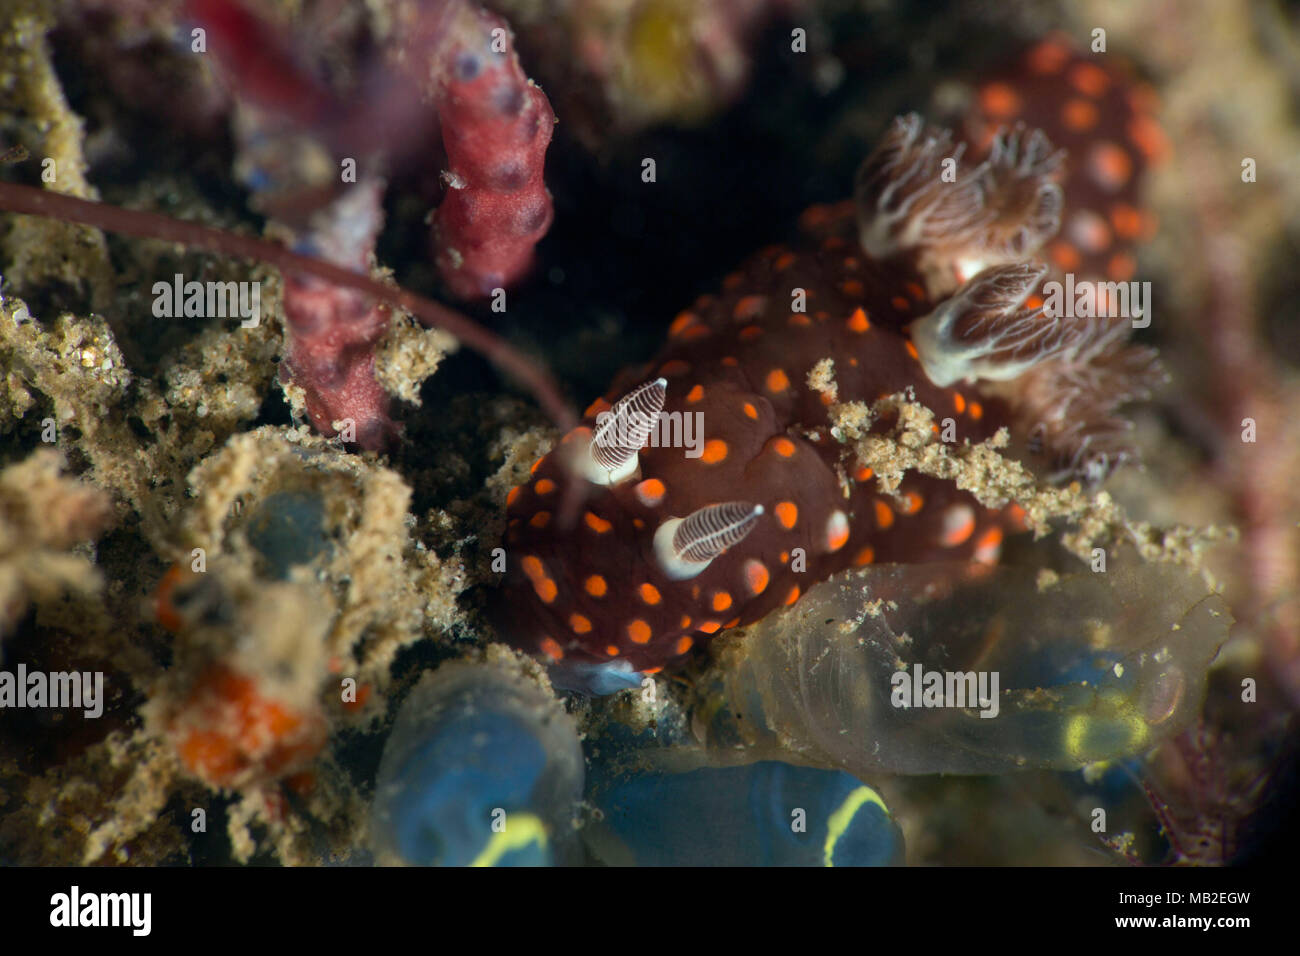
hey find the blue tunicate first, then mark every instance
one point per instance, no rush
(762, 814)
(288, 528)
(933, 669)
(481, 768)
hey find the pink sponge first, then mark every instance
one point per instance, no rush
(496, 125)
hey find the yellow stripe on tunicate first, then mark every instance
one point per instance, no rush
(1078, 728)
(522, 830)
(839, 821)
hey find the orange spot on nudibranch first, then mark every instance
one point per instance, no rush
(513, 495)
(715, 451)
(749, 333)
(800, 319)
(959, 402)
(684, 644)
(884, 514)
(783, 447)
(582, 431)
(988, 546)
(911, 349)
(777, 381)
(756, 576)
(1079, 115)
(837, 531)
(552, 649)
(815, 216)
(540, 520)
(958, 525)
(695, 394)
(783, 261)
(787, 512)
(638, 631)
(1110, 165)
(721, 601)
(748, 307)
(1090, 231)
(579, 623)
(612, 650)
(865, 556)
(650, 492)
(976, 411)
(674, 367)
(912, 503)
(1089, 79)
(596, 407)
(596, 523)
(750, 411)
(792, 596)
(858, 321)
(1064, 255)
(853, 288)
(595, 586)
(532, 469)
(863, 474)
(683, 321)
(900, 303)
(1121, 267)
(1048, 57)
(544, 487)
(1147, 135)
(649, 593)
(999, 100)
(1126, 220)
(542, 583)
(709, 627)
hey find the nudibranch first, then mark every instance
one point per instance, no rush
(712, 488)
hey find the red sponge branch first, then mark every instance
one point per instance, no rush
(496, 126)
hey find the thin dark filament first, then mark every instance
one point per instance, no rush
(147, 225)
